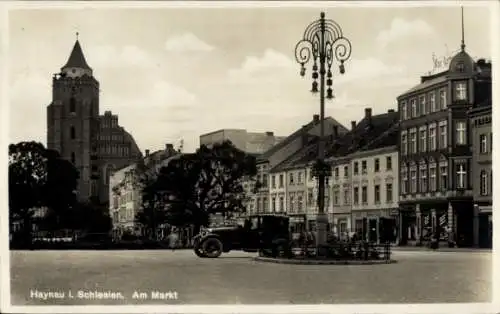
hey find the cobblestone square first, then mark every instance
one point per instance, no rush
(166, 277)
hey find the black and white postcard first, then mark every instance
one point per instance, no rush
(248, 157)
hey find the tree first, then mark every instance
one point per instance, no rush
(59, 190)
(151, 214)
(91, 218)
(39, 177)
(27, 174)
(207, 182)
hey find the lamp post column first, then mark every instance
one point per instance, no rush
(322, 42)
(321, 217)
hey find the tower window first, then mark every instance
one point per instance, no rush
(72, 133)
(73, 157)
(72, 105)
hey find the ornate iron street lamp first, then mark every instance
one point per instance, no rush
(322, 42)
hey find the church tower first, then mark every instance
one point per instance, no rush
(73, 118)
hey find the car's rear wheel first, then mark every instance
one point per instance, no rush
(281, 249)
(212, 247)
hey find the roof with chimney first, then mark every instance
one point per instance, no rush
(299, 133)
(370, 133)
(76, 58)
(365, 135)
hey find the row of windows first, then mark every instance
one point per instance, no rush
(292, 179)
(431, 178)
(114, 137)
(364, 166)
(109, 123)
(296, 200)
(119, 200)
(298, 178)
(376, 194)
(431, 102)
(114, 150)
(425, 105)
(431, 137)
(123, 215)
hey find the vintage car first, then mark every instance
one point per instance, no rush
(267, 234)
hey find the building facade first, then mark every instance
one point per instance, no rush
(267, 162)
(435, 154)
(125, 191)
(341, 185)
(375, 193)
(95, 144)
(482, 174)
(249, 142)
(374, 137)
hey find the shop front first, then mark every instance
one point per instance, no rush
(483, 226)
(298, 223)
(378, 226)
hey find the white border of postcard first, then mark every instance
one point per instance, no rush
(364, 308)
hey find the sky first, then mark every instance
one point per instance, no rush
(176, 73)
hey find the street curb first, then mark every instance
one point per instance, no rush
(416, 249)
(322, 262)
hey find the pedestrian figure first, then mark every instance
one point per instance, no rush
(172, 239)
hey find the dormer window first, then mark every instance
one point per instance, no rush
(461, 91)
(460, 67)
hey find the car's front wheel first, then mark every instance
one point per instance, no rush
(212, 247)
(199, 252)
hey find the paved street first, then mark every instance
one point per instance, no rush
(419, 276)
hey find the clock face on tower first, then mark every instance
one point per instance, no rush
(76, 72)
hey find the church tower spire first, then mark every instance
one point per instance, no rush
(76, 65)
(462, 46)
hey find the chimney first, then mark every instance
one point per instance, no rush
(353, 125)
(304, 135)
(270, 133)
(335, 131)
(316, 118)
(169, 148)
(147, 152)
(390, 111)
(368, 115)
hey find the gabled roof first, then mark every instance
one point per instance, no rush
(365, 135)
(308, 127)
(76, 58)
(388, 138)
(303, 156)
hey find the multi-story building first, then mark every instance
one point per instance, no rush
(364, 165)
(249, 142)
(374, 181)
(482, 175)
(292, 160)
(435, 154)
(125, 190)
(95, 144)
(282, 151)
(341, 191)
(373, 135)
(277, 192)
